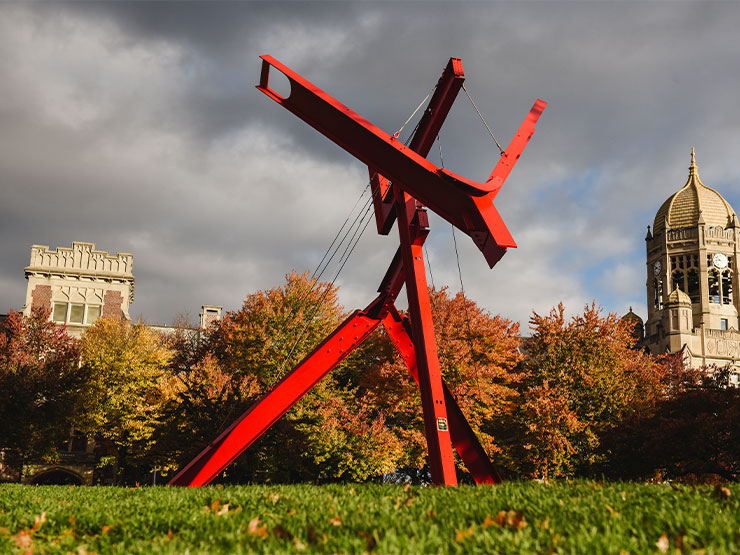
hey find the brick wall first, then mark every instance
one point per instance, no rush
(112, 304)
(41, 297)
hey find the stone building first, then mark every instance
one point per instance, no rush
(79, 284)
(692, 277)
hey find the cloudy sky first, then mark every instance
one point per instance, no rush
(138, 127)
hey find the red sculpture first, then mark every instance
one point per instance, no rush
(403, 181)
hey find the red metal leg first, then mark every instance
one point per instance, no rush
(263, 414)
(436, 427)
(463, 437)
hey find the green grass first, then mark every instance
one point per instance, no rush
(579, 517)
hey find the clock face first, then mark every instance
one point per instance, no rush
(720, 261)
(656, 268)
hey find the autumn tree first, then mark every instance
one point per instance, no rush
(694, 429)
(478, 355)
(127, 387)
(208, 395)
(582, 379)
(327, 435)
(40, 381)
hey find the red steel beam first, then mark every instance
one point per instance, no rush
(465, 203)
(431, 121)
(265, 412)
(462, 435)
(436, 427)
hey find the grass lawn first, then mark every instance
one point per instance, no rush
(518, 517)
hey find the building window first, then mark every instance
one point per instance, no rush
(726, 287)
(60, 312)
(76, 313)
(692, 278)
(713, 287)
(723, 323)
(658, 294)
(66, 313)
(93, 313)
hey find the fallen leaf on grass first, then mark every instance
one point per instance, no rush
(432, 514)
(299, 545)
(223, 510)
(612, 511)
(170, 535)
(22, 539)
(462, 535)
(38, 521)
(406, 502)
(336, 521)
(311, 534)
(510, 519)
(255, 529)
(370, 541)
(662, 543)
(106, 529)
(274, 497)
(722, 492)
(281, 532)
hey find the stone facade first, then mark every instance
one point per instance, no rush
(692, 276)
(79, 284)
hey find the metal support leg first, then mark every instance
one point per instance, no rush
(463, 437)
(436, 427)
(263, 414)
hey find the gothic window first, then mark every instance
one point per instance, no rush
(692, 280)
(726, 287)
(658, 294)
(678, 280)
(713, 286)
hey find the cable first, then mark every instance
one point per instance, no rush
(397, 133)
(482, 118)
(364, 190)
(429, 265)
(343, 259)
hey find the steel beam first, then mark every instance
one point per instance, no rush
(463, 437)
(431, 121)
(467, 204)
(265, 412)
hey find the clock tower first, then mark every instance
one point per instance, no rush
(692, 278)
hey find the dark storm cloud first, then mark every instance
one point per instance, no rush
(137, 126)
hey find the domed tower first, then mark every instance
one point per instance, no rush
(692, 256)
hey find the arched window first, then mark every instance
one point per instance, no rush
(727, 287)
(713, 286)
(658, 294)
(692, 282)
(677, 279)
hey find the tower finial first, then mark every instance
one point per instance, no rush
(692, 167)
